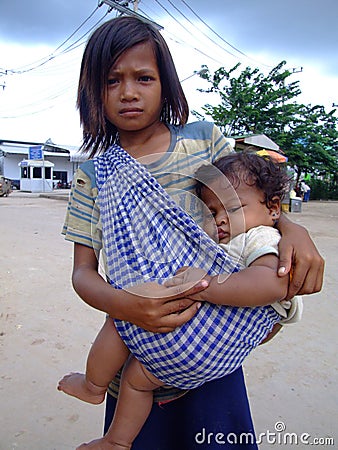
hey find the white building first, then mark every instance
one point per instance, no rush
(64, 158)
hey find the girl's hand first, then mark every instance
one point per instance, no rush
(151, 306)
(160, 308)
(299, 257)
(189, 275)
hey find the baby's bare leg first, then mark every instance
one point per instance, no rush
(133, 407)
(134, 403)
(107, 355)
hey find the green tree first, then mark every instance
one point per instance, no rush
(311, 142)
(254, 103)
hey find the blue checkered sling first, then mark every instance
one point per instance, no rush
(148, 237)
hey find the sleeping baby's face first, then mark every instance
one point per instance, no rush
(233, 211)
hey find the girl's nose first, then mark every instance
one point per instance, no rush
(128, 91)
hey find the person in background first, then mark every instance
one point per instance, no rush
(305, 189)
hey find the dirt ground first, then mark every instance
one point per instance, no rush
(45, 331)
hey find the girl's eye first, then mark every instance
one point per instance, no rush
(145, 78)
(112, 81)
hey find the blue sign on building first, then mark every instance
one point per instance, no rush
(35, 152)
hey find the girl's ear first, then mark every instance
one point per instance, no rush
(274, 207)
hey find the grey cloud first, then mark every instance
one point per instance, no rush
(293, 28)
(301, 29)
(38, 21)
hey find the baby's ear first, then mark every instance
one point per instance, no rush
(274, 207)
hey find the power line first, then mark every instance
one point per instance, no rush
(37, 105)
(124, 10)
(44, 102)
(175, 39)
(218, 35)
(184, 28)
(205, 53)
(204, 34)
(54, 54)
(77, 29)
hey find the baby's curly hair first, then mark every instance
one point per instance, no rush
(248, 167)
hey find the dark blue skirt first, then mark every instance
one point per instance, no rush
(212, 417)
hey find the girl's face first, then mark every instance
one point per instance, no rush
(236, 211)
(133, 100)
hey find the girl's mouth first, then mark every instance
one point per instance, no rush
(130, 112)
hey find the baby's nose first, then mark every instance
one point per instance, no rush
(222, 218)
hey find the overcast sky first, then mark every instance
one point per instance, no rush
(38, 104)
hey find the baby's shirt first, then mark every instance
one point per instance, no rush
(259, 241)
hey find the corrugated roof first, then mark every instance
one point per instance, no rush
(22, 150)
(257, 140)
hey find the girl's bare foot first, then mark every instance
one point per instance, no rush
(76, 385)
(102, 444)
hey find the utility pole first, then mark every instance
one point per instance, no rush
(122, 7)
(136, 5)
(297, 70)
(3, 85)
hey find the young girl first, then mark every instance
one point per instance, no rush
(129, 93)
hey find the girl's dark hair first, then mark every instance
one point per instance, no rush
(254, 170)
(104, 47)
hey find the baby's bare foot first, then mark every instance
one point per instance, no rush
(76, 385)
(102, 444)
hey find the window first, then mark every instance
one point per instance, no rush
(48, 173)
(25, 172)
(37, 172)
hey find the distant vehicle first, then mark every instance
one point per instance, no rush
(15, 184)
(59, 184)
(5, 186)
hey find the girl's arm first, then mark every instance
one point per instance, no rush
(256, 285)
(151, 306)
(298, 255)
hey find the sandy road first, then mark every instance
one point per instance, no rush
(45, 331)
(293, 379)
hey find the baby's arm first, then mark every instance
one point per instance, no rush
(256, 285)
